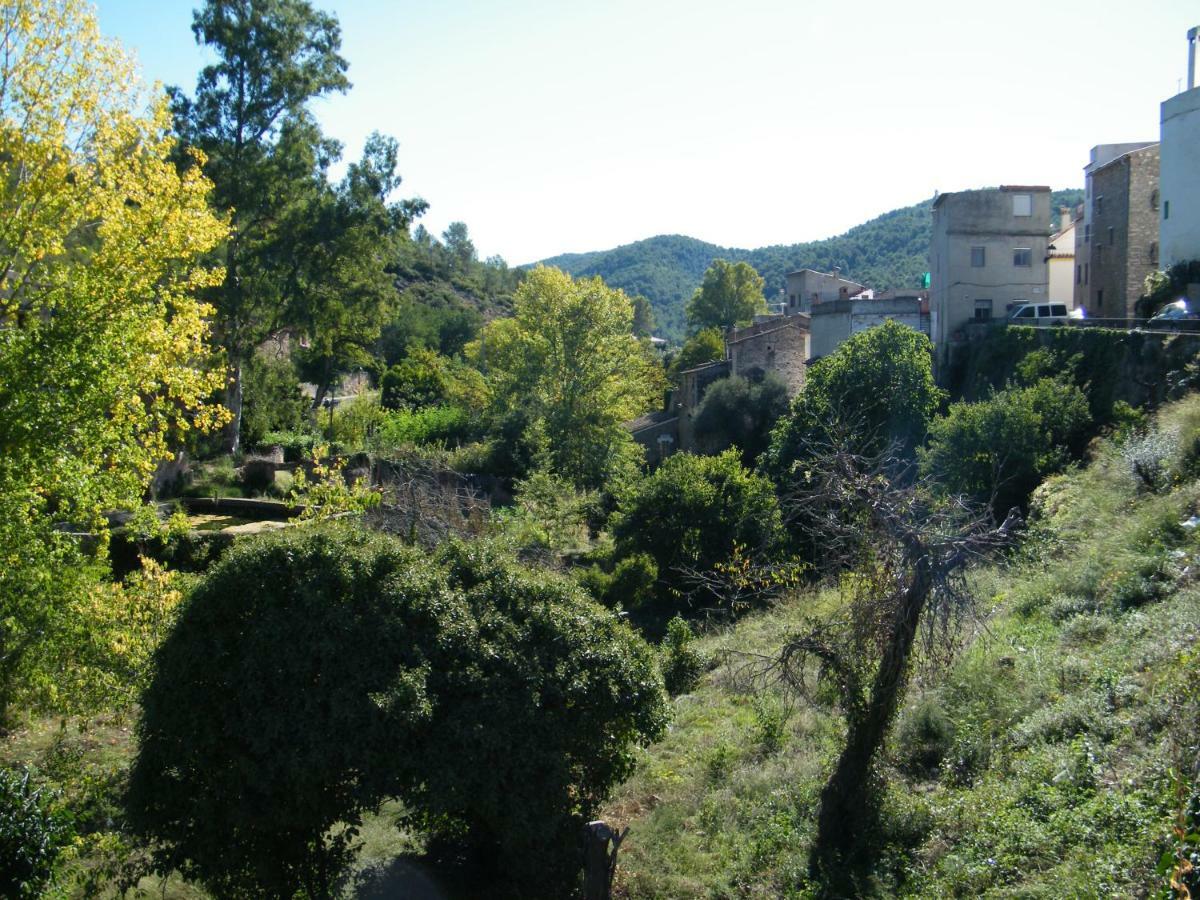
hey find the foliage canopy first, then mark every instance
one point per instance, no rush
(102, 337)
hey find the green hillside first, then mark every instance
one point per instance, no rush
(889, 251)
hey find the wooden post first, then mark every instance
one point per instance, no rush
(600, 862)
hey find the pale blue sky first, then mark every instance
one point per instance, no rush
(573, 125)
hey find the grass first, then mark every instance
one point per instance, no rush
(1042, 763)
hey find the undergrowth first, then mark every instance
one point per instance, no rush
(1055, 757)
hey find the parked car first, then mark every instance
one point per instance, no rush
(1173, 316)
(1038, 313)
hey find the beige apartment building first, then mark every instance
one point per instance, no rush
(988, 253)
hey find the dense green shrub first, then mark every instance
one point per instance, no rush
(998, 450)
(32, 836)
(316, 672)
(695, 513)
(418, 380)
(738, 412)
(876, 391)
(272, 400)
(443, 425)
(924, 736)
(682, 663)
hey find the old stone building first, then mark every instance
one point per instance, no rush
(1120, 245)
(779, 344)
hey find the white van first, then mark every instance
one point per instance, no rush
(1038, 313)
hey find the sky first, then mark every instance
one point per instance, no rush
(553, 126)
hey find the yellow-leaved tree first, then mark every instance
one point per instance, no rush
(569, 363)
(103, 354)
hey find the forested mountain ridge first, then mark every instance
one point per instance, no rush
(888, 252)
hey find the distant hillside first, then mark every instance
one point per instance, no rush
(890, 251)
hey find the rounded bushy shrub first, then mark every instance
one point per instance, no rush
(315, 673)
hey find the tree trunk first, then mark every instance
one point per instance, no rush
(847, 805)
(233, 402)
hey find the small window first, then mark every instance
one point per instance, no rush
(1058, 309)
(1044, 311)
(1022, 204)
(1079, 274)
(983, 310)
(1100, 299)
(1154, 199)
(1098, 207)
(1023, 257)
(1166, 209)
(1087, 233)
(978, 257)
(1154, 253)
(1025, 313)
(1111, 235)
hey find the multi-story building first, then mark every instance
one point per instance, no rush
(988, 253)
(1179, 227)
(808, 287)
(1119, 244)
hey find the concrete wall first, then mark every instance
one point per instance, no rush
(1124, 236)
(836, 322)
(985, 218)
(781, 346)
(1180, 179)
(808, 287)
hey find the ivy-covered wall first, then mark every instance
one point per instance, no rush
(1140, 369)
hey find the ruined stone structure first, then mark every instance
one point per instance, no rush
(836, 322)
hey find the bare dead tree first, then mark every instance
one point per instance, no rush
(901, 557)
(425, 501)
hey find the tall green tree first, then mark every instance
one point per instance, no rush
(265, 154)
(730, 295)
(342, 289)
(569, 361)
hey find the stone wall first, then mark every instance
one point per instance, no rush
(780, 346)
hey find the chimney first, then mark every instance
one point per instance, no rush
(1192, 35)
(1064, 218)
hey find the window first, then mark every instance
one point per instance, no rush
(1098, 206)
(1100, 299)
(1023, 312)
(1166, 209)
(1058, 309)
(1044, 311)
(1111, 235)
(978, 257)
(792, 299)
(1154, 252)
(1087, 233)
(1022, 204)
(1023, 257)
(983, 310)
(1154, 199)
(1079, 274)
